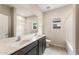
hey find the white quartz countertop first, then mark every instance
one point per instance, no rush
(10, 45)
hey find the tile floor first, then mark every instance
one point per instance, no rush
(55, 50)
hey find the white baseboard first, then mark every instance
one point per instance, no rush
(63, 46)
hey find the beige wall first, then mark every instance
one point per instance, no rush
(57, 36)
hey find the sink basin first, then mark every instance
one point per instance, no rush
(13, 45)
(17, 44)
(24, 41)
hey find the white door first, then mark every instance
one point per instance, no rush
(70, 34)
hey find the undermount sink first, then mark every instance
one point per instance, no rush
(18, 43)
(37, 36)
(23, 42)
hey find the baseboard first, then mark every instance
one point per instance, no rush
(59, 45)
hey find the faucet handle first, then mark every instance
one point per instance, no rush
(18, 39)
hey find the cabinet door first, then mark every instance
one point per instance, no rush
(40, 46)
(44, 44)
(33, 51)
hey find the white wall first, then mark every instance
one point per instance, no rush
(57, 36)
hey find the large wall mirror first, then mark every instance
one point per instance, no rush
(27, 22)
(27, 25)
(16, 21)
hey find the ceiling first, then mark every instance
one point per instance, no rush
(49, 7)
(23, 11)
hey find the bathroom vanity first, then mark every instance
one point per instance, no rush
(35, 48)
(32, 46)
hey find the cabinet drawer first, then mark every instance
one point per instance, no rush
(25, 49)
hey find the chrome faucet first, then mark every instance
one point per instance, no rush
(18, 38)
(35, 34)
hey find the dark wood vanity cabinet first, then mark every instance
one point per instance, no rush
(35, 48)
(27, 49)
